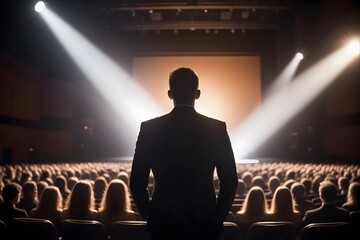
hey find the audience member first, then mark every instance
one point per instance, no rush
(124, 176)
(353, 197)
(283, 207)
(328, 211)
(61, 183)
(11, 195)
(99, 189)
(41, 185)
(343, 186)
(298, 191)
(241, 189)
(29, 198)
(72, 181)
(50, 206)
(80, 203)
(254, 209)
(115, 205)
(273, 184)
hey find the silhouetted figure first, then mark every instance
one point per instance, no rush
(183, 149)
(11, 195)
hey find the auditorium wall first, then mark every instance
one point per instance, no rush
(32, 112)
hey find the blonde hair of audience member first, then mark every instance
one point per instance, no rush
(80, 203)
(283, 206)
(50, 206)
(254, 209)
(353, 197)
(115, 205)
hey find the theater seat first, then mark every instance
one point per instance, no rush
(128, 230)
(327, 231)
(355, 218)
(33, 228)
(272, 230)
(83, 230)
(3, 230)
(231, 232)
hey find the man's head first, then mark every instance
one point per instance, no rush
(328, 191)
(11, 193)
(184, 85)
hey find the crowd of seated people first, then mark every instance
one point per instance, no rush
(296, 192)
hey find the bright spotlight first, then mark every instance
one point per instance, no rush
(354, 47)
(299, 56)
(39, 6)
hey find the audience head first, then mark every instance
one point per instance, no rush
(307, 184)
(81, 198)
(51, 199)
(41, 185)
(116, 198)
(354, 193)
(255, 203)
(343, 184)
(282, 202)
(274, 183)
(327, 191)
(30, 191)
(72, 181)
(258, 181)
(61, 183)
(184, 85)
(241, 188)
(124, 176)
(11, 193)
(298, 191)
(99, 187)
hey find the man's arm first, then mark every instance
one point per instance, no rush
(226, 171)
(140, 176)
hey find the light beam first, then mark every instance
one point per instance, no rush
(124, 94)
(284, 104)
(286, 75)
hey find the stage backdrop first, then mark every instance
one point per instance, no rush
(230, 85)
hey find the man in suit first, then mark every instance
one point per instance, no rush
(328, 211)
(182, 149)
(11, 194)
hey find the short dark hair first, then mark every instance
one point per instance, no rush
(328, 191)
(11, 191)
(183, 84)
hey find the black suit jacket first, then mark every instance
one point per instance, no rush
(183, 148)
(325, 213)
(8, 212)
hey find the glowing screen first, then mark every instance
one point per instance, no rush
(230, 85)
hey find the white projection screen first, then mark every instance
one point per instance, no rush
(230, 85)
